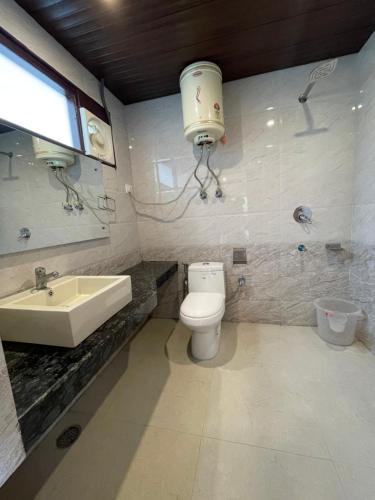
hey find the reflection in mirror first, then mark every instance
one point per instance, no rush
(48, 195)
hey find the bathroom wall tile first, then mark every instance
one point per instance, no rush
(364, 224)
(254, 311)
(250, 95)
(332, 283)
(365, 60)
(262, 258)
(362, 271)
(362, 291)
(295, 288)
(317, 155)
(260, 288)
(11, 446)
(316, 258)
(366, 327)
(297, 313)
(363, 264)
(329, 224)
(277, 151)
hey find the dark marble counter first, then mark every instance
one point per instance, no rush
(46, 379)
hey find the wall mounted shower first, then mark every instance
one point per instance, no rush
(322, 71)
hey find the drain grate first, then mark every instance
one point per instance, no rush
(68, 436)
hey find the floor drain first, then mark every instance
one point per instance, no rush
(68, 436)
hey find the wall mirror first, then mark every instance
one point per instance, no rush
(49, 195)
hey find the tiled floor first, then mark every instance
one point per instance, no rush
(277, 415)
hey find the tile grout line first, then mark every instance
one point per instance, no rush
(203, 431)
(343, 492)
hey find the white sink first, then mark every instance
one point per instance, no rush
(66, 313)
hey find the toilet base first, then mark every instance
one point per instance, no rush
(205, 342)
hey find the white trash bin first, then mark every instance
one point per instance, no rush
(337, 320)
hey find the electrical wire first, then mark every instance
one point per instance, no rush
(181, 192)
(160, 219)
(202, 191)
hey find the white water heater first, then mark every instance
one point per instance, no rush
(202, 102)
(54, 156)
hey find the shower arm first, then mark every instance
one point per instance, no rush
(303, 97)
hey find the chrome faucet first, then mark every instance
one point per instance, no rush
(42, 278)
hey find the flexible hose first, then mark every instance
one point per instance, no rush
(80, 199)
(67, 197)
(211, 171)
(196, 169)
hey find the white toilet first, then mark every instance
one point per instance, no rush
(203, 308)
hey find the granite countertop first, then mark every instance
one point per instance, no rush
(46, 379)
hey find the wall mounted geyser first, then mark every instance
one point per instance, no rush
(324, 70)
(202, 103)
(202, 108)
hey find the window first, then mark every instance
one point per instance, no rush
(35, 102)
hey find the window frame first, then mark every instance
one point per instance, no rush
(73, 93)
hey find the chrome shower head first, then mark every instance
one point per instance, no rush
(322, 71)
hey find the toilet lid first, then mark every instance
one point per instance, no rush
(202, 305)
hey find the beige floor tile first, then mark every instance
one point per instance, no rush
(349, 438)
(151, 392)
(178, 347)
(152, 337)
(231, 471)
(274, 387)
(259, 406)
(114, 460)
(142, 385)
(358, 482)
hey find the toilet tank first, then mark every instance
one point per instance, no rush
(206, 277)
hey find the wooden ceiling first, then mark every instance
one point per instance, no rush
(140, 46)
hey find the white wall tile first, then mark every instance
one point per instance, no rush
(279, 155)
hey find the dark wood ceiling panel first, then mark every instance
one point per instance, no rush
(140, 46)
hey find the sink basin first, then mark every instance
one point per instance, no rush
(66, 313)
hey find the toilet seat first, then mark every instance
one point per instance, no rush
(202, 305)
(202, 309)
